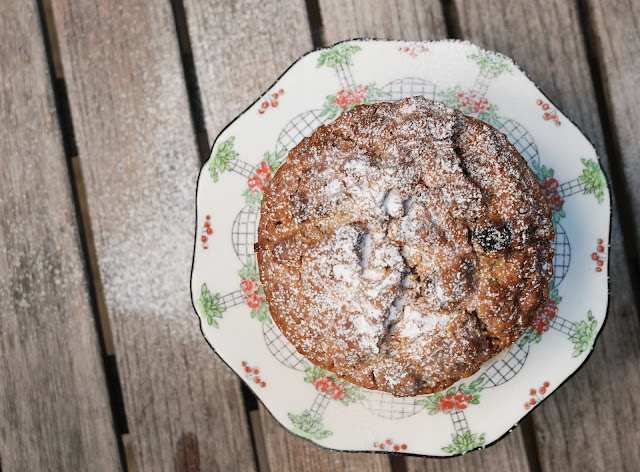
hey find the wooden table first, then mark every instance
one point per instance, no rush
(107, 110)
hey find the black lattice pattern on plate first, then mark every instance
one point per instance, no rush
(387, 406)
(563, 325)
(521, 139)
(345, 77)
(571, 188)
(506, 368)
(281, 348)
(459, 421)
(409, 87)
(562, 256)
(319, 404)
(244, 234)
(241, 167)
(231, 299)
(298, 128)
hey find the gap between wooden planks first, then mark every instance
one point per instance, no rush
(54, 408)
(138, 159)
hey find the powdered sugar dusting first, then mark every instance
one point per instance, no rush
(396, 246)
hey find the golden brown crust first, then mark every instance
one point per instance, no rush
(404, 245)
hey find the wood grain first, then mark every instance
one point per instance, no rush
(239, 50)
(415, 20)
(296, 454)
(397, 19)
(139, 161)
(616, 33)
(54, 407)
(581, 427)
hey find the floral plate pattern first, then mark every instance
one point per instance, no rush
(316, 404)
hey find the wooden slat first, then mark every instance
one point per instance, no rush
(54, 407)
(415, 20)
(240, 49)
(616, 34)
(581, 427)
(297, 454)
(397, 19)
(139, 162)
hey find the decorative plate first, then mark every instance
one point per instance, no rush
(317, 405)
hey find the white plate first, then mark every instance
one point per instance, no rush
(314, 404)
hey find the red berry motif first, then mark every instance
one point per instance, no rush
(600, 255)
(252, 373)
(389, 444)
(207, 230)
(413, 50)
(271, 101)
(550, 115)
(537, 394)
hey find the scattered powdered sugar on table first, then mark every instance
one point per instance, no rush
(403, 245)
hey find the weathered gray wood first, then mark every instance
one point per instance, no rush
(411, 20)
(239, 50)
(397, 19)
(583, 426)
(508, 455)
(288, 452)
(139, 161)
(616, 34)
(54, 407)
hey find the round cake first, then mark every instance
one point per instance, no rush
(404, 245)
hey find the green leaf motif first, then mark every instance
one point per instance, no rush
(432, 402)
(529, 336)
(465, 442)
(307, 426)
(338, 56)
(209, 306)
(471, 104)
(492, 63)
(253, 197)
(593, 179)
(221, 154)
(261, 313)
(350, 99)
(584, 335)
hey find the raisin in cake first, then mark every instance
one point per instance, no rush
(404, 245)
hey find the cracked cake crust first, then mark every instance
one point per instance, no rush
(403, 245)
